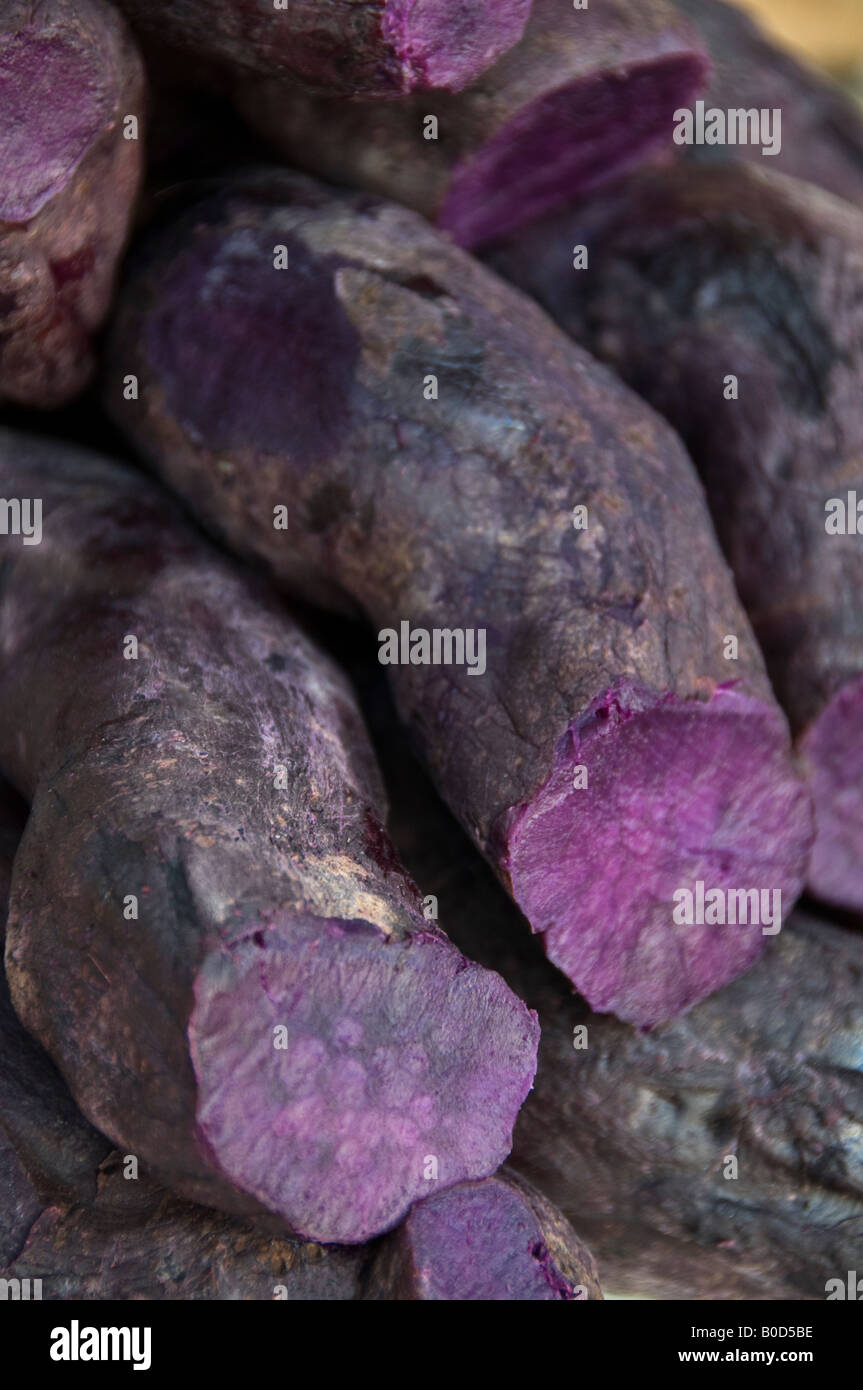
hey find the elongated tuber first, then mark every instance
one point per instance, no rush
(87, 1224)
(731, 299)
(433, 441)
(341, 47)
(587, 93)
(208, 930)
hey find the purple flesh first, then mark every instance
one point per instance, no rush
(605, 123)
(494, 1241)
(628, 1131)
(380, 50)
(71, 1216)
(52, 111)
(371, 1083)
(447, 43)
(677, 793)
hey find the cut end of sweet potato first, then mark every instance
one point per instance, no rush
(678, 793)
(486, 1242)
(832, 748)
(53, 111)
(445, 43)
(589, 131)
(338, 1084)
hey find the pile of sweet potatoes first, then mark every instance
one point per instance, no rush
(528, 445)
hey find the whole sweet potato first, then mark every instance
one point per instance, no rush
(208, 929)
(431, 438)
(341, 47)
(587, 93)
(731, 299)
(69, 174)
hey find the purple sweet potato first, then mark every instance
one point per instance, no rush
(586, 94)
(497, 1240)
(69, 76)
(47, 1149)
(133, 1240)
(632, 1136)
(208, 929)
(341, 47)
(630, 1133)
(822, 129)
(78, 1218)
(490, 1240)
(697, 274)
(450, 512)
(73, 1217)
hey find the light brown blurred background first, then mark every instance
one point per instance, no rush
(828, 32)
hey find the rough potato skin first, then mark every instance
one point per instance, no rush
(695, 271)
(629, 1135)
(74, 1216)
(68, 183)
(822, 129)
(698, 272)
(257, 906)
(594, 89)
(134, 1240)
(346, 48)
(305, 389)
(70, 1217)
(527, 426)
(631, 1138)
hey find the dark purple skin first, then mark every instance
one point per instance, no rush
(49, 1152)
(69, 74)
(71, 1216)
(344, 48)
(585, 95)
(822, 129)
(133, 1240)
(629, 1136)
(492, 1241)
(258, 907)
(305, 388)
(697, 272)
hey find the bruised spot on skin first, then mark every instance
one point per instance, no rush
(298, 348)
(53, 110)
(73, 267)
